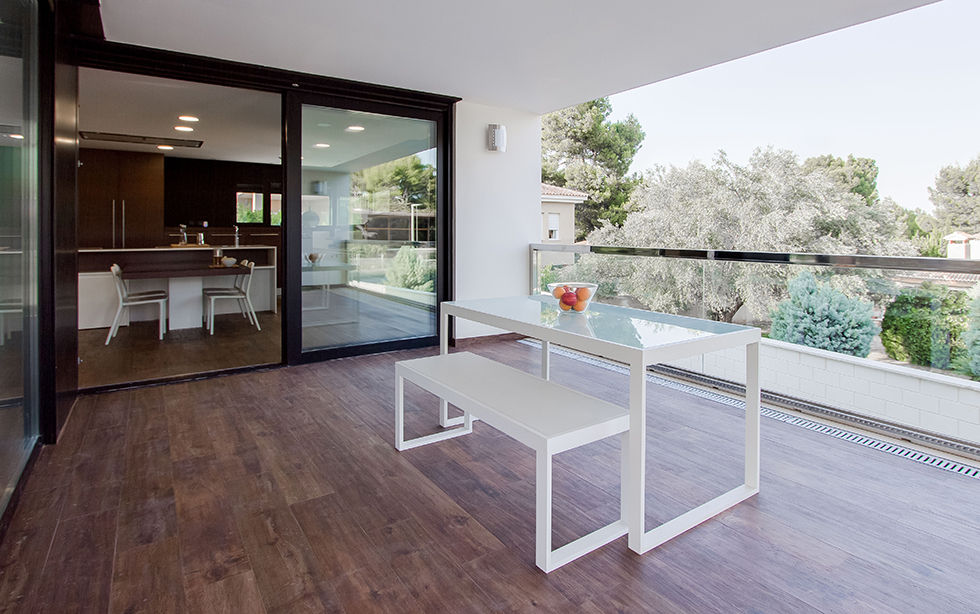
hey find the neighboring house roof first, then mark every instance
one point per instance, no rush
(554, 193)
(959, 235)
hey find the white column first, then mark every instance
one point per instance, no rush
(185, 302)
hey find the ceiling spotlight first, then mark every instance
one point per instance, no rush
(19, 137)
(188, 118)
(322, 145)
(354, 129)
(323, 125)
(183, 129)
(165, 147)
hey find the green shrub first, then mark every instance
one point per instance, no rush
(817, 316)
(925, 326)
(549, 275)
(409, 270)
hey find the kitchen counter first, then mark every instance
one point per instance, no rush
(188, 248)
(178, 270)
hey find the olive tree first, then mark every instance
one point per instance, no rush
(772, 203)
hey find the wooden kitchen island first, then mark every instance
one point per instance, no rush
(179, 270)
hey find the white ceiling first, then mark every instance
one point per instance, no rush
(236, 124)
(537, 55)
(240, 125)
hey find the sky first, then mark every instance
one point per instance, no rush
(903, 90)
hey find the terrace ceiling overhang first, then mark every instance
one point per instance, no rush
(536, 56)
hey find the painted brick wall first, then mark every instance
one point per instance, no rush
(930, 401)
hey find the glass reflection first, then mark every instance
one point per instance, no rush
(368, 228)
(18, 207)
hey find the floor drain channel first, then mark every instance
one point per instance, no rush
(863, 440)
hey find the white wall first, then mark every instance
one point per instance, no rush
(498, 205)
(932, 401)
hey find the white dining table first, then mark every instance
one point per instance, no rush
(636, 338)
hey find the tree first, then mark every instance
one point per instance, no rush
(924, 230)
(818, 316)
(405, 180)
(410, 270)
(924, 326)
(771, 204)
(581, 149)
(859, 175)
(956, 197)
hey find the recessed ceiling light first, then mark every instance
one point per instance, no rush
(183, 129)
(188, 118)
(16, 136)
(322, 145)
(165, 147)
(354, 128)
(323, 125)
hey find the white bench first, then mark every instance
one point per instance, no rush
(540, 414)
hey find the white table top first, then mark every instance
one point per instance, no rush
(619, 333)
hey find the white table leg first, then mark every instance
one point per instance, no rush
(752, 413)
(635, 496)
(399, 412)
(545, 359)
(444, 420)
(710, 509)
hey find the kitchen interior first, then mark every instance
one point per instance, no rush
(179, 188)
(181, 183)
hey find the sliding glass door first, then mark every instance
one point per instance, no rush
(368, 256)
(18, 240)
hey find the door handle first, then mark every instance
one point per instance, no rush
(124, 222)
(113, 222)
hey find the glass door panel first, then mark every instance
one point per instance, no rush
(369, 198)
(18, 240)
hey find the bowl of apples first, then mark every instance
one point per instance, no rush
(573, 296)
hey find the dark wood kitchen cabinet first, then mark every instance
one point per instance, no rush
(120, 199)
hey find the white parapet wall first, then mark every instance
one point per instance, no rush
(929, 401)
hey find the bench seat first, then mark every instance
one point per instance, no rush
(544, 416)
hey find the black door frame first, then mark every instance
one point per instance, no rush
(292, 150)
(296, 87)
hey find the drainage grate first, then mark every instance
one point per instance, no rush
(833, 431)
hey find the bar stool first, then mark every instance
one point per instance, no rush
(240, 293)
(128, 299)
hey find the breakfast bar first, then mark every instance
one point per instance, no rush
(180, 271)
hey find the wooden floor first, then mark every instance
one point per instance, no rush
(361, 317)
(138, 354)
(280, 491)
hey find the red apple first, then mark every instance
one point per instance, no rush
(569, 298)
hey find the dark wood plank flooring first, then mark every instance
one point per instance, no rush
(137, 353)
(280, 491)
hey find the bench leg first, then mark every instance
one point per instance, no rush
(401, 443)
(542, 511)
(546, 558)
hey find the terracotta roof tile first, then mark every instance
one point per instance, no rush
(553, 190)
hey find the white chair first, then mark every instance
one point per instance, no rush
(240, 293)
(128, 299)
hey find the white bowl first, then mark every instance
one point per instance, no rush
(228, 261)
